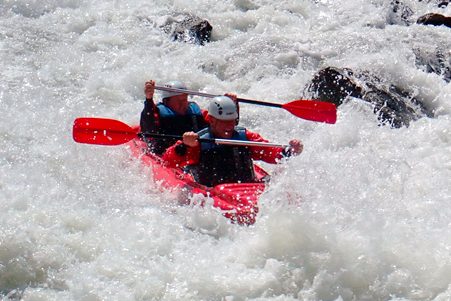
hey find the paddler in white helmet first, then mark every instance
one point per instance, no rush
(215, 164)
(173, 115)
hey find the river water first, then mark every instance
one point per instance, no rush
(362, 214)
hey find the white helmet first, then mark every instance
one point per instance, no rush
(173, 84)
(223, 108)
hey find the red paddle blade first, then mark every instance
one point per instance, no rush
(102, 131)
(313, 110)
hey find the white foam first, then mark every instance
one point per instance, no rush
(362, 214)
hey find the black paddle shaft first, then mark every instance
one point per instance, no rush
(255, 102)
(259, 102)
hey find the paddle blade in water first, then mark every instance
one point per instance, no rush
(102, 131)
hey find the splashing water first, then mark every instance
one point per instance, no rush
(362, 214)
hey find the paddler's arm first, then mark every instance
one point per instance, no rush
(149, 115)
(183, 152)
(272, 154)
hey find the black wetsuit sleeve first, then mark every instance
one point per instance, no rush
(148, 123)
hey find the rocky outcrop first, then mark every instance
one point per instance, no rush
(434, 19)
(187, 28)
(392, 104)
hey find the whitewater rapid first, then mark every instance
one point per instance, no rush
(362, 214)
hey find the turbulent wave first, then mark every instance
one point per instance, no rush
(362, 214)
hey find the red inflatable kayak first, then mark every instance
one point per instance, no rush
(239, 201)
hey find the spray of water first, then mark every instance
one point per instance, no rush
(362, 214)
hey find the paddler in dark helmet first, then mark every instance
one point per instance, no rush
(174, 115)
(214, 164)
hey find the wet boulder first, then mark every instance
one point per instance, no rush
(393, 105)
(187, 28)
(334, 85)
(434, 19)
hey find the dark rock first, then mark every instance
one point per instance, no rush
(434, 19)
(392, 104)
(334, 85)
(188, 28)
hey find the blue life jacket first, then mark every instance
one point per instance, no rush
(220, 164)
(171, 123)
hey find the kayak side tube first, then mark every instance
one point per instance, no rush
(238, 201)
